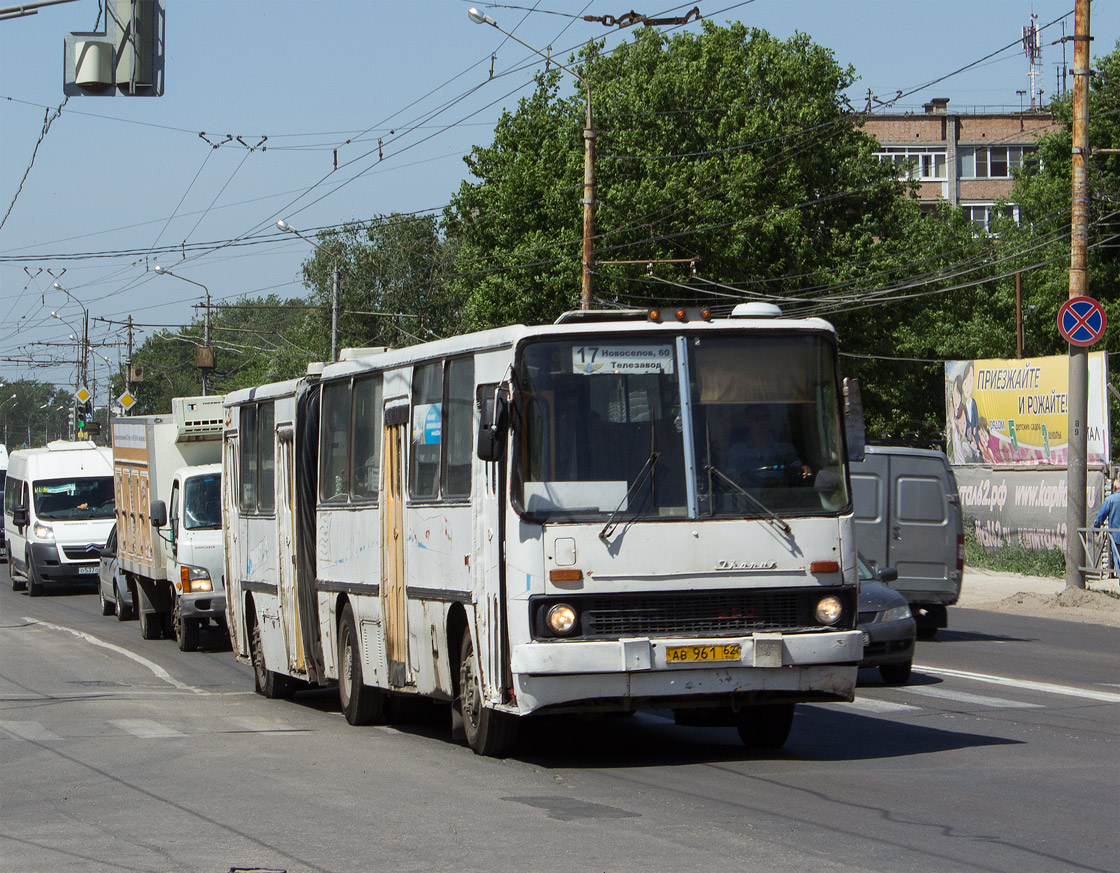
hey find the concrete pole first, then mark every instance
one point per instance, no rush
(1077, 427)
(588, 205)
(334, 312)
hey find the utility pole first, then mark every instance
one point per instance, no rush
(1018, 315)
(335, 295)
(1077, 426)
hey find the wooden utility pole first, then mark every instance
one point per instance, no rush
(1077, 426)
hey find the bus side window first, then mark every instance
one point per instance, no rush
(427, 431)
(334, 443)
(365, 463)
(458, 427)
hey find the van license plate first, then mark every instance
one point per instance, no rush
(87, 571)
(679, 654)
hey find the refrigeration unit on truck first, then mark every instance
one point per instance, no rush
(167, 477)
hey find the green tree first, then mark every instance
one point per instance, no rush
(393, 284)
(1044, 197)
(729, 148)
(256, 340)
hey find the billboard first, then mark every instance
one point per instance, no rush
(1015, 412)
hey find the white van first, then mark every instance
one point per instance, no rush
(908, 516)
(58, 511)
(3, 475)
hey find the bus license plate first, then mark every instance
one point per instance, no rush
(87, 570)
(679, 654)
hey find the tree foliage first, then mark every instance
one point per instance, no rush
(256, 340)
(392, 279)
(728, 148)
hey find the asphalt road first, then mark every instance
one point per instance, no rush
(121, 754)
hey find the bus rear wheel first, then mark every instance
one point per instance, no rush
(268, 683)
(766, 726)
(360, 703)
(488, 731)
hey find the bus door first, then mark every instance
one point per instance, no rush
(392, 542)
(287, 590)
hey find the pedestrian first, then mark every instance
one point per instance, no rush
(1110, 512)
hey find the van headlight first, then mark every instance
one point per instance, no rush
(194, 579)
(42, 531)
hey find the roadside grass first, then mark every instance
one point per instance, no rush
(1012, 558)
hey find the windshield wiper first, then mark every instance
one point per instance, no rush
(768, 513)
(643, 474)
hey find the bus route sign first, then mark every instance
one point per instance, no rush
(1081, 321)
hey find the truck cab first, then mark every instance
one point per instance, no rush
(191, 526)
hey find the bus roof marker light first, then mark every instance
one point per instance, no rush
(756, 309)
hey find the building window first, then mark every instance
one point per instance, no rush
(926, 163)
(982, 214)
(993, 162)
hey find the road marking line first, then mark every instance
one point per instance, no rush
(1025, 684)
(965, 697)
(873, 704)
(146, 729)
(28, 730)
(156, 669)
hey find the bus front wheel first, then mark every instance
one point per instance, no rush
(488, 731)
(360, 703)
(766, 726)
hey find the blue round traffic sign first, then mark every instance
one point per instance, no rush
(1081, 321)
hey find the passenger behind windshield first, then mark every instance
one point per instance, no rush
(760, 456)
(202, 502)
(65, 499)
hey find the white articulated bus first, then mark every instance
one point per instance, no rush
(598, 515)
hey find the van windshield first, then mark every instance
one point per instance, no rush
(74, 499)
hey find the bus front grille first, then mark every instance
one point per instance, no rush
(692, 614)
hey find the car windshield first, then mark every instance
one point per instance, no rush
(866, 574)
(74, 499)
(677, 426)
(202, 502)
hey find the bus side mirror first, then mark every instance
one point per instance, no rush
(853, 420)
(20, 516)
(157, 514)
(493, 423)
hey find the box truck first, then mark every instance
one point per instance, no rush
(167, 476)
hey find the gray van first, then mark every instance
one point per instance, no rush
(908, 516)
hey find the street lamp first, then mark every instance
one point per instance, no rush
(83, 364)
(284, 227)
(588, 158)
(4, 403)
(160, 271)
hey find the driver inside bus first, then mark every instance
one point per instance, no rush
(759, 456)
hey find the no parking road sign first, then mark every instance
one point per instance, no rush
(1081, 321)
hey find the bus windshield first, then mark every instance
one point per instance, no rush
(695, 425)
(71, 499)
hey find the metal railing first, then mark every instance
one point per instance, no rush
(1099, 554)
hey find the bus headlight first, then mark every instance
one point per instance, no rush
(43, 531)
(561, 619)
(194, 579)
(829, 609)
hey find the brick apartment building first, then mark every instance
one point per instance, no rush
(966, 159)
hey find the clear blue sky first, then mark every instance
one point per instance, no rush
(116, 179)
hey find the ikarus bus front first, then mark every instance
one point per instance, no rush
(601, 515)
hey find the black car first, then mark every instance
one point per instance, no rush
(889, 630)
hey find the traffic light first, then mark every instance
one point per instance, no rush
(84, 416)
(72, 424)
